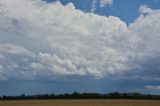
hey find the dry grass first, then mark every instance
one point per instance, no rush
(80, 103)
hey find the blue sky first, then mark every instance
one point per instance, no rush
(63, 46)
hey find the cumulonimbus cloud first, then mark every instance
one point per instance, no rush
(65, 41)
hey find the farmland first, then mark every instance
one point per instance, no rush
(94, 102)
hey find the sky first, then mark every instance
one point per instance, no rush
(62, 46)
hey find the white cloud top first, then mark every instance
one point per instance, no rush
(53, 39)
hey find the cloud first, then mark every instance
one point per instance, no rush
(153, 87)
(145, 9)
(105, 2)
(53, 39)
(2, 77)
(1, 57)
(14, 49)
(63, 66)
(93, 6)
(102, 3)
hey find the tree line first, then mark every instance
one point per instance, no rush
(76, 95)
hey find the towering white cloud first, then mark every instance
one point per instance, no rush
(55, 39)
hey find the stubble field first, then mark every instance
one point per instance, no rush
(80, 103)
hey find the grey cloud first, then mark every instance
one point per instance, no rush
(14, 49)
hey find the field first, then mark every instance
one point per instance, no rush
(80, 103)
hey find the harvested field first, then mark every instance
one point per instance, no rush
(80, 103)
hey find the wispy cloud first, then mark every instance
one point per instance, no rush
(152, 87)
(102, 3)
(93, 6)
(105, 2)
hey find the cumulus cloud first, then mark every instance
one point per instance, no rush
(56, 39)
(62, 66)
(145, 9)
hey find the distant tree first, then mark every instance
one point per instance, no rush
(114, 95)
(137, 95)
(22, 96)
(4, 97)
(124, 95)
(75, 95)
(66, 95)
